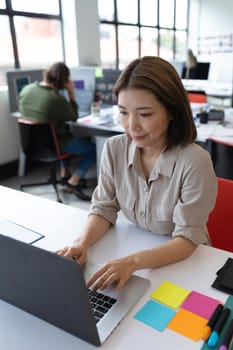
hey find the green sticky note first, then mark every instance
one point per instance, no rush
(170, 294)
(99, 72)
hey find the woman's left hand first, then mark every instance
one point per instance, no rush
(116, 271)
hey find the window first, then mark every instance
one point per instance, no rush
(31, 34)
(135, 28)
(7, 56)
(42, 37)
(43, 6)
(107, 45)
(2, 4)
(128, 48)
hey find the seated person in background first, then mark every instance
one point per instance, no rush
(155, 173)
(41, 101)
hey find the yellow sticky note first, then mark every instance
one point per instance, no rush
(170, 294)
(188, 324)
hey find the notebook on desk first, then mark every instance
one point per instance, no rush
(53, 288)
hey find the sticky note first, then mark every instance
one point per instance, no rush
(86, 120)
(188, 324)
(155, 315)
(79, 84)
(200, 304)
(98, 72)
(170, 294)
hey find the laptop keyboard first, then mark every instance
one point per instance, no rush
(100, 303)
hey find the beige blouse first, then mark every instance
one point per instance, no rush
(177, 198)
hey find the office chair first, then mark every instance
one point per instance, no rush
(39, 143)
(197, 96)
(221, 152)
(220, 221)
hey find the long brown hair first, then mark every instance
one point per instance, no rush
(160, 77)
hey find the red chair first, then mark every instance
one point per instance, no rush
(197, 97)
(220, 222)
(39, 143)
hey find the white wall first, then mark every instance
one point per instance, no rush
(209, 18)
(212, 22)
(194, 24)
(9, 137)
(81, 32)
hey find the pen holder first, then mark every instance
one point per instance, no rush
(95, 110)
(203, 117)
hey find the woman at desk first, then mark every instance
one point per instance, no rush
(155, 173)
(41, 101)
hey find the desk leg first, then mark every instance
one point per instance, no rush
(22, 163)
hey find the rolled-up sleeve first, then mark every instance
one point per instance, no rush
(104, 201)
(197, 199)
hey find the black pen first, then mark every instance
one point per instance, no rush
(214, 336)
(227, 337)
(211, 323)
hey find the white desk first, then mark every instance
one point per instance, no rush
(61, 224)
(108, 125)
(219, 91)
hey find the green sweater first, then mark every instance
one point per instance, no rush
(45, 104)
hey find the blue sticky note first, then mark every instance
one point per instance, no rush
(155, 315)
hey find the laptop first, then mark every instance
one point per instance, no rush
(53, 288)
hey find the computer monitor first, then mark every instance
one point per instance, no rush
(201, 71)
(104, 86)
(16, 80)
(84, 98)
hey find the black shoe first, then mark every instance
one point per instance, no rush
(82, 183)
(78, 191)
(63, 180)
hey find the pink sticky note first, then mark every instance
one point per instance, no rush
(86, 120)
(200, 304)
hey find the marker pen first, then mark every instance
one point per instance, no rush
(211, 323)
(214, 336)
(227, 337)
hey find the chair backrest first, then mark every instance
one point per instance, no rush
(39, 141)
(196, 97)
(221, 152)
(220, 222)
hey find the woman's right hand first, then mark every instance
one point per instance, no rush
(77, 251)
(69, 85)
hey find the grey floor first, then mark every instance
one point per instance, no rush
(47, 191)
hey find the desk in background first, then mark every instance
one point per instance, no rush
(100, 128)
(107, 125)
(61, 224)
(218, 94)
